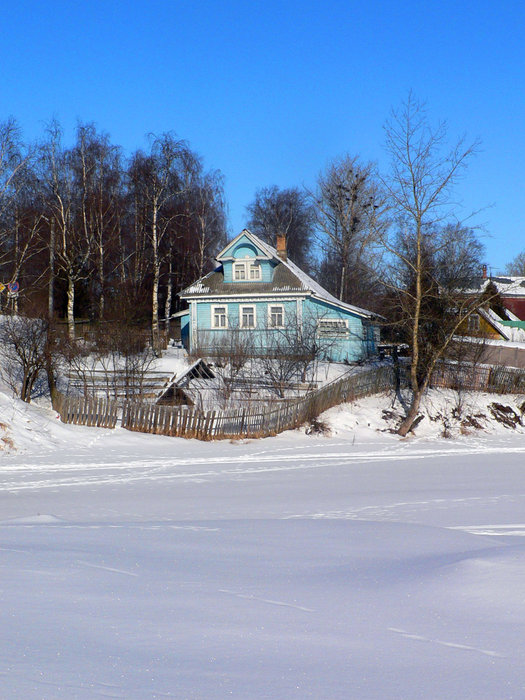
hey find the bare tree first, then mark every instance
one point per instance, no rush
(351, 215)
(285, 212)
(428, 278)
(517, 266)
(24, 346)
(18, 219)
(98, 177)
(159, 178)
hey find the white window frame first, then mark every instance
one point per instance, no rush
(275, 306)
(215, 315)
(246, 271)
(254, 272)
(252, 313)
(333, 328)
(239, 272)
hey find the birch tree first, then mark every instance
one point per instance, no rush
(73, 239)
(158, 181)
(98, 178)
(428, 276)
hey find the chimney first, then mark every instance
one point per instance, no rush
(281, 246)
(484, 272)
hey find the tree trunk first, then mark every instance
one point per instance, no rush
(70, 307)
(101, 299)
(169, 294)
(51, 287)
(155, 331)
(411, 416)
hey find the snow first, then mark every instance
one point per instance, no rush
(354, 565)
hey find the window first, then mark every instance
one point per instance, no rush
(239, 272)
(276, 316)
(219, 317)
(246, 270)
(332, 327)
(247, 316)
(255, 271)
(473, 323)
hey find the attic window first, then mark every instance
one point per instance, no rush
(255, 271)
(332, 327)
(246, 271)
(239, 272)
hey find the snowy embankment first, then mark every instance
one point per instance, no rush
(352, 566)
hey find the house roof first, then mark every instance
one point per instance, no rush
(507, 286)
(287, 277)
(509, 330)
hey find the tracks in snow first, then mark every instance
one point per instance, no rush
(88, 471)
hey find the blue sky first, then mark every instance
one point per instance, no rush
(269, 92)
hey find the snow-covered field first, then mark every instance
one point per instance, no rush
(352, 566)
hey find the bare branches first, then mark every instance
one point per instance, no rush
(285, 212)
(351, 216)
(431, 264)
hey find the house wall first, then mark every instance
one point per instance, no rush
(185, 329)
(266, 272)
(360, 341)
(485, 330)
(517, 306)
(260, 338)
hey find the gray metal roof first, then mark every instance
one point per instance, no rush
(287, 277)
(283, 281)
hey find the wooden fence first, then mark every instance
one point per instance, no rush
(184, 421)
(493, 380)
(261, 421)
(86, 410)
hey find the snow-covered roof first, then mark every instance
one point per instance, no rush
(506, 286)
(288, 277)
(509, 330)
(307, 281)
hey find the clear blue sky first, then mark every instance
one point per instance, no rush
(269, 92)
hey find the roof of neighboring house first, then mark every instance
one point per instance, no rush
(505, 285)
(509, 330)
(287, 277)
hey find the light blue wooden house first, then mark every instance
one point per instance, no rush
(258, 299)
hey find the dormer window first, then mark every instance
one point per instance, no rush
(254, 270)
(248, 270)
(239, 272)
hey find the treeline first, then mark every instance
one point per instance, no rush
(86, 232)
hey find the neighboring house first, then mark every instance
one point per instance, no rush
(502, 340)
(486, 323)
(259, 300)
(510, 290)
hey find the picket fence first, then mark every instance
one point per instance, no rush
(86, 410)
(273, 418)
(185, 421)
(493, 380)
